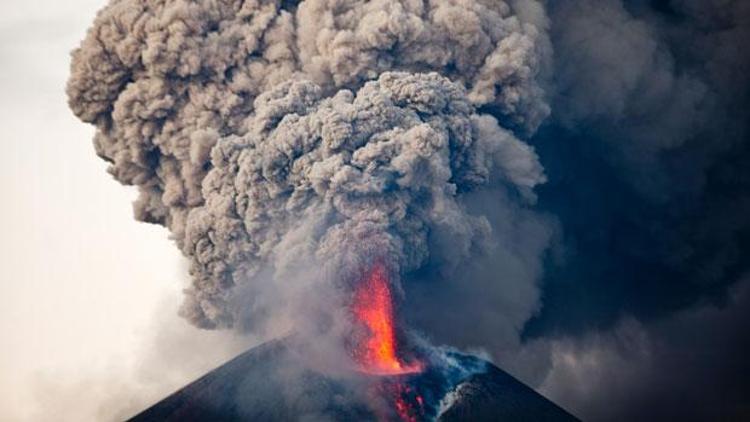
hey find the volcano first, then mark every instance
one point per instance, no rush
(266, 383)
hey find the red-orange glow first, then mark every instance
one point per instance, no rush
(409, 405)
(404, 411)
(373, 308)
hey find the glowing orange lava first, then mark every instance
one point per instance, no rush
(373, 307)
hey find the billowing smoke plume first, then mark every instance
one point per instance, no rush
(272, 137)
(288, 144)
(328, 179)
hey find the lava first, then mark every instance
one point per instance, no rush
(377, 351)
(373, 308)
(409, 404)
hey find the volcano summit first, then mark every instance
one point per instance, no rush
(267, 383)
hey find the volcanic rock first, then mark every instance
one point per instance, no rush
(266, 384)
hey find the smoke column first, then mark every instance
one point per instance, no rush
(288, 147)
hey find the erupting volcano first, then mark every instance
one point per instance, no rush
(372, 307)
(269, 383)
(286, 143)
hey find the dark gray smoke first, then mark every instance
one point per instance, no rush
(646, 154)
(645, 159)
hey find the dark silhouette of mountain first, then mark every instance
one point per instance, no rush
(266, 383)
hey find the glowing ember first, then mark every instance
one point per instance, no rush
(373, 307)
(409, 404)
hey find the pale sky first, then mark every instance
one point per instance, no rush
(88, 295)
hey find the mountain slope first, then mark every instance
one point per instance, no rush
(266, 384)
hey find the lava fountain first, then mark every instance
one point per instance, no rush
(372, 307)
(377, 352)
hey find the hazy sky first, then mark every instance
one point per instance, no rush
(76, 312)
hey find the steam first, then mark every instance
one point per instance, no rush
(274, 138)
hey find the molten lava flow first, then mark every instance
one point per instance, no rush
(373, 308)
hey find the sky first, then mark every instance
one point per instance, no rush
(622, 294)
(81, 287)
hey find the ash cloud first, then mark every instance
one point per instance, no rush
(644, 156)
(162, 81)
(271, 137)
(342, 180)
(254, 135)
(645, 153)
